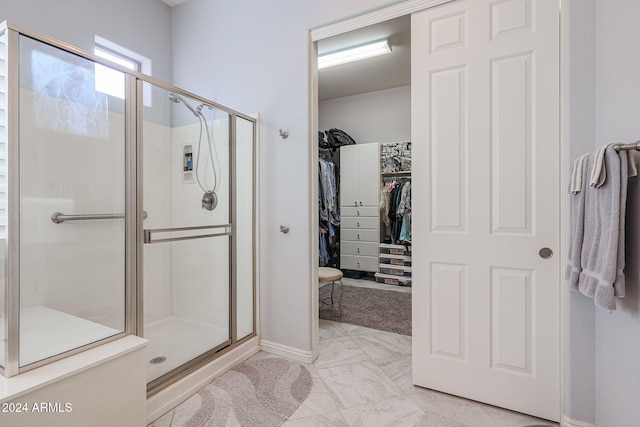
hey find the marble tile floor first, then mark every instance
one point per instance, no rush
(362, 377)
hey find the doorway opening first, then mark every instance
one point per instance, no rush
(364, 181)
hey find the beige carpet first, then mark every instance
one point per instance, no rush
(372, 308)
(261, 392)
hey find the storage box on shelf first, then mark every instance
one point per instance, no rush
(395, 265)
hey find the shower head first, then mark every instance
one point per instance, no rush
(178, 99)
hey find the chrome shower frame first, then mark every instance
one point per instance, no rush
(133, 216)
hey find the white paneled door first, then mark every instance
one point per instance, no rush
(485, 132)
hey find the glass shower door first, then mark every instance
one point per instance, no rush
(72, 196)
(186, 255)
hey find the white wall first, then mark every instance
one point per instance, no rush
(253, 56)
(602, 376)
(143, 26)
(617, 113)
(578, 137)
(380, 116)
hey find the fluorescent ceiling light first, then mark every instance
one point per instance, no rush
(355, 53)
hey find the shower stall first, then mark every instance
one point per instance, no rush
(127, 206)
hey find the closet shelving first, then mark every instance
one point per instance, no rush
(395, 257)
(395, 264)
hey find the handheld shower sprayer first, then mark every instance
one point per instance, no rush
(210, 198)
(178, 99)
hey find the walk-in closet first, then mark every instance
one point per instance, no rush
(364, 181)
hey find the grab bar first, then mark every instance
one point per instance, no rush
(59, 217)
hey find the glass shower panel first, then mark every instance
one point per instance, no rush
(245, 197)
(72, 168)
(3, 188)
(186, 273)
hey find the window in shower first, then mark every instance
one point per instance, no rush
(111, 81)
(72, 204)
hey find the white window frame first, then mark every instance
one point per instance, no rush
(125, 57)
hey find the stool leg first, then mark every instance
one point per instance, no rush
(340, 301)
(332, 285)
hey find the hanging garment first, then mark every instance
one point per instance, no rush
(323, 252)
(385, 193)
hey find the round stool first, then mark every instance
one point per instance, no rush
(333, 275)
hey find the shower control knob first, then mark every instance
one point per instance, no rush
(209, 201)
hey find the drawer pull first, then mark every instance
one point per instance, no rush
(358, 237)
(358, 249)
(355, 203)
(358, 223)
(360, 203)
(358, 213)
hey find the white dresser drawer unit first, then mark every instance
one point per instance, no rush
(362, 263)
(359, 211)
(359, 235)
(360, 222)
(359, 248)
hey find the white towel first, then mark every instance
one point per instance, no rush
(596, 254)
(599, 170)
(575, 185)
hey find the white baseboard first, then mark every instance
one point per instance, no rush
(286, 351)
(172, 396)
(568, 422)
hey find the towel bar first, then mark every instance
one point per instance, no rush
(634, 146)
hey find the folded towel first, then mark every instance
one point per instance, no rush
(596, 255)
(575, 185)
(634, 159)
(599, 170)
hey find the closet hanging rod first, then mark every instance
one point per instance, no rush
(634, 146)
(398, 173)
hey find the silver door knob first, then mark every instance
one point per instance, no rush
(284, 229)
(545, 253)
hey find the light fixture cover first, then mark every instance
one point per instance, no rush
(355, 53)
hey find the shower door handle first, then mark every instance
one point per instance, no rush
(224, 230)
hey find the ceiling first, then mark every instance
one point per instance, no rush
(368, 75)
